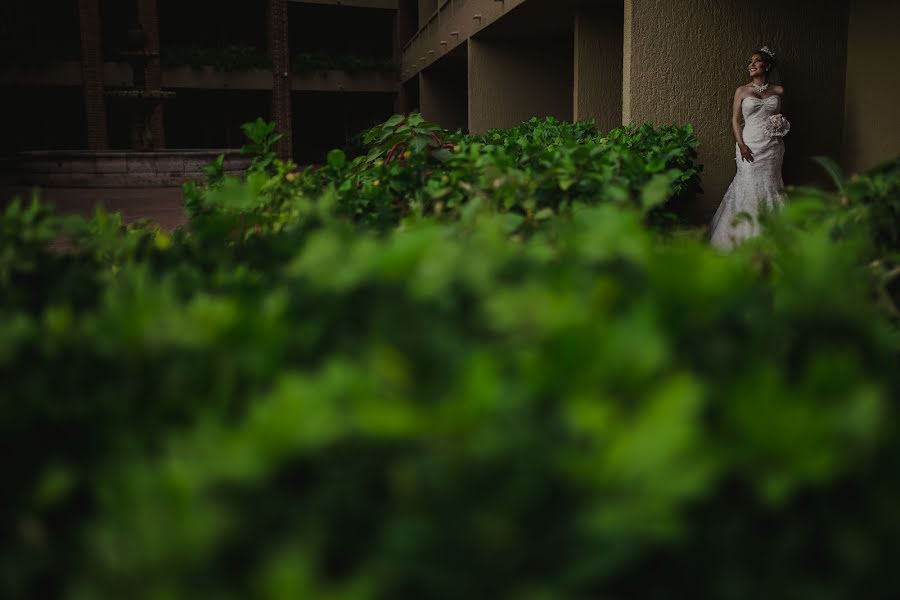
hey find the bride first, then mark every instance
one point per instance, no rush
(759, 154)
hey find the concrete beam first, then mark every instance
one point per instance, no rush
(512, 81)
(598, 64)
(64, 73)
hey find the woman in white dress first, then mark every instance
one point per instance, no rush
(758, 128)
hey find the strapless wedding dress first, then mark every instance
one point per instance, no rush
(756, 184)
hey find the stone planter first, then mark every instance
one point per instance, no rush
(123, 169)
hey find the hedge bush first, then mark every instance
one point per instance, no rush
(326, 387)
(539, 168)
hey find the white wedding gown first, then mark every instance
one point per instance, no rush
(756, 184)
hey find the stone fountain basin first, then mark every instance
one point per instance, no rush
(119, 169)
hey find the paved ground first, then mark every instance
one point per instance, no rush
(162, 205)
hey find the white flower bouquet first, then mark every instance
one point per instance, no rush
(777, 126)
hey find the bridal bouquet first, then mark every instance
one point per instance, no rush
(777, 126)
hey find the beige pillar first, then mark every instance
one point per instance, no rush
(510, 82)
(598, 64)
(872, 124)
(683, 61)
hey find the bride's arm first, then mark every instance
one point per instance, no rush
(779, 89)
(738, 127)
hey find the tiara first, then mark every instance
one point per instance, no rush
(765, 50)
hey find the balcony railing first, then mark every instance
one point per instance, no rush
(445, 9)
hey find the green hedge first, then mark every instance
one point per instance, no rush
(529, 390)
(537, 170)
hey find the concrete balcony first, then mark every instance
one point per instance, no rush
(385, 4)
(68, 74)
(449, 26)
(64, 74)
(260, 79)
(490, 64)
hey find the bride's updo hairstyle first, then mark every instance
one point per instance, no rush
(768, 57)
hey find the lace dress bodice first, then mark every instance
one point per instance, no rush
(755, 184)
(756, 111)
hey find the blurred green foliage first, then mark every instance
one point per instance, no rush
(367, 381)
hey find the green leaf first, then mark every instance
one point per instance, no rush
(834, 171)
(337, 159)
(656, 191)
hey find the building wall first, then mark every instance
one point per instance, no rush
(512, 81)
(426, 9)
(683, 61)
(872, 121)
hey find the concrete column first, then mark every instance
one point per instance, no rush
(871, 126)
(598, 64)
(279, 50)
(148, 18)
(683, 61)
(92, 74)
(510, 82)
(443, 94)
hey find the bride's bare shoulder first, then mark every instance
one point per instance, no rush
(778, 89)
(743, 91)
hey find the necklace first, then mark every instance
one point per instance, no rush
(760, 88)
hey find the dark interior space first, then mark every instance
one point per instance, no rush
(46, 118)
(118, 124)
(447, 86)
(408, 24)
(212, 118)
(211, 24)
(327, 120)
(411, 92)
(29, 38)
(339, 31)
(116, 18)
